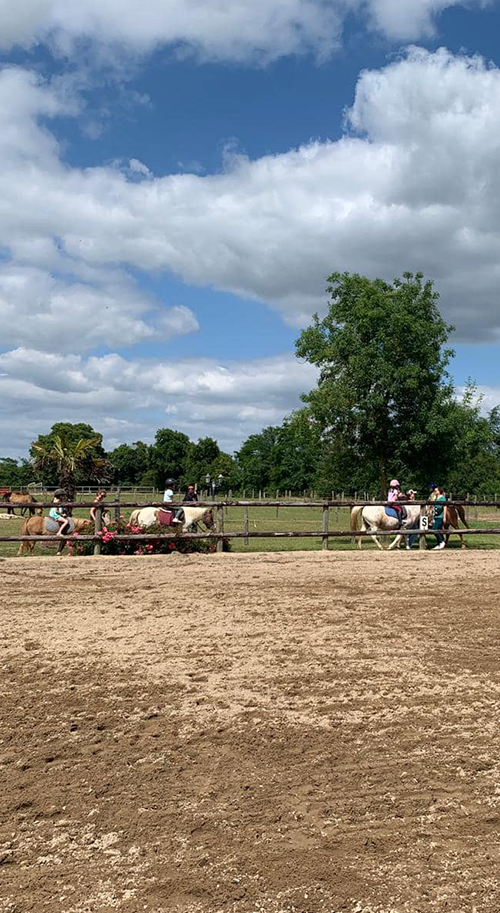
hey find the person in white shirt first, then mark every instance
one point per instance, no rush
(168, 494)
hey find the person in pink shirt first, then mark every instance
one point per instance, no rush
(394, 490)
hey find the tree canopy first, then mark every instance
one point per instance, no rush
(383, 388)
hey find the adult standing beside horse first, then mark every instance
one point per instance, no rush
(439, 500)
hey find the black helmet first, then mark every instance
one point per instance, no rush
(60, 493)
(170, 482)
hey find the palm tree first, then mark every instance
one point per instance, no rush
(69, 457)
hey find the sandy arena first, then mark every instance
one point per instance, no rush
(273, 733)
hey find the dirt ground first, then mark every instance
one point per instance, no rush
(274, 733)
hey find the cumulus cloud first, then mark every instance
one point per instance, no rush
(236, 30)
(406, 21)
(411, 185)
(198, 397)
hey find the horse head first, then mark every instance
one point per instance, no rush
(208, 519)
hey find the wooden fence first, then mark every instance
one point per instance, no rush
(325, 533)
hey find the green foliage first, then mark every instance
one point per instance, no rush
(200, 461)
(71, 457)
(68, 435)
(14, 474)
(169, 455)
(130, 463)
(476, 463)
(383, 388)
(256, 459)
(296, 453)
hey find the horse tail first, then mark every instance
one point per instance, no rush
(355, 515)
(460, 509)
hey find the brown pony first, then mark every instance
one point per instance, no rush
(17, 497)
(451, 517)
(35, 526)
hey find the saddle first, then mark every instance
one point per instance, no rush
(399, 513)
(165, 517)
(52, 526)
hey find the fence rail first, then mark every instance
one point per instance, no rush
(241, 503)
(325, 534)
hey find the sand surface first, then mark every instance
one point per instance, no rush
(273, 733)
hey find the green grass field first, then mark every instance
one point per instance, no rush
(279, 519)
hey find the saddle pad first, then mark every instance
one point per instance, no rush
(390, 512)
(165, 517)
(52, 526)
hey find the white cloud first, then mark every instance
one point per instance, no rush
(412, 186)
(198, 397)
(406, 20)
(39, 310)
(239, 30)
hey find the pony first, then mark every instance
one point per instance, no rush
(148, 516)
(452, 514)
(451, 517)
(375, 518)
(17, 497)
(44, 526)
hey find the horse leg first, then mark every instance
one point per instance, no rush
(373, 532)
(395, 543)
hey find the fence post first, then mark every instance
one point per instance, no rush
(325, 527)
(423, 524)
(475, 509)
(220, 526)
(117, 508)
(245, 524)
(97, 529)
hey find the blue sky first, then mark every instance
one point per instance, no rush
(177, 188)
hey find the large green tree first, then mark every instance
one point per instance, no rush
(169, 456)
(130, 462)
(14, 474)
(69, 457)
(476, 451)
(67, 434)
(256, 459)
(383, 390)
(296, 454)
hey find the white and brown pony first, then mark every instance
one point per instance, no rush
(374, 519)
(45, 526)
(149, 516)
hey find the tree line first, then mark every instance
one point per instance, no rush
(384, 406)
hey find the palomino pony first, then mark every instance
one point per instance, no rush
(44, 526)
(17, 497)
(149, 516)
(374, 519)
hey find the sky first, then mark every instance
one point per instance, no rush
(179, 178)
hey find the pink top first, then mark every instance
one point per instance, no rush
(392, 494)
